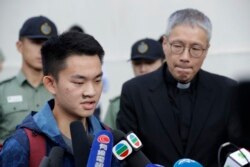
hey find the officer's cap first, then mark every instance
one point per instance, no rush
(39, 27)
(148, 49)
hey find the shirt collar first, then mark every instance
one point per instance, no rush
(45, 117)
(170, 80)
(20, 78)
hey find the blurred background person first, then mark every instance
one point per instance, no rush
(25, 91)
(146, 56)
(2, 58)
(76, 28)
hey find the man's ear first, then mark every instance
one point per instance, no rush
(50, 84)
(19, 46)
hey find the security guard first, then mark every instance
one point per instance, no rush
(25, 91)
(146, 56)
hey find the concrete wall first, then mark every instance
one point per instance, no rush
(116, 24)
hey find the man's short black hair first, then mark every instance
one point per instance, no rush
(57, 49)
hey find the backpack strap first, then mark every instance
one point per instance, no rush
(37, 147)
(106, 127)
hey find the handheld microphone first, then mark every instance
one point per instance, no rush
(186, 162)
(238, 158)
(44, 162)
(80, 143)
(130, 153)
(154, 165)
(101, 150)
(55, 158)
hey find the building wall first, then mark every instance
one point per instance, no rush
(117, 24)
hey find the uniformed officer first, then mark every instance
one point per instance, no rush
(25, 91)
(146, 56)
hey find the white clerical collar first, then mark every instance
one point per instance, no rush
(183, 85)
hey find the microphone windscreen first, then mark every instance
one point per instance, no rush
(56, 156)
(101, 150)
(186, 162)
(44, 162)
(80, 143)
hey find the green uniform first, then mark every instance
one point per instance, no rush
(113, 109)
(17, 99)
(1, 56)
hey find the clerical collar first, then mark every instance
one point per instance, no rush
(183, 85)
(173, 83)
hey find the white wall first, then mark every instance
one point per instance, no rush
(117, 24)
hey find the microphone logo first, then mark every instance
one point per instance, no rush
(122, 150)
(134, 141)
(103, 139)
(238, 158)
(101, 150)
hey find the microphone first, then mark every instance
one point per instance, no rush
(154, 165)
(80, 143)
(238, 158)
(186, 162)
(44, 162)
(55, 158)
(128, 149)
(101, 150)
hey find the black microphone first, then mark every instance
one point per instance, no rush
(80, 143)
(55, 158)
(44, 162)
(126, 149)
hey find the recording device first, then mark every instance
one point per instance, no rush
(238, 158)
(80, 143)
(55, 158)
(186, 162)
(127, 148)
(101, 150)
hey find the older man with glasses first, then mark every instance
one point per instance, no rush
(180, 110)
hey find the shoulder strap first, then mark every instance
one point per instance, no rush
(37, 147)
